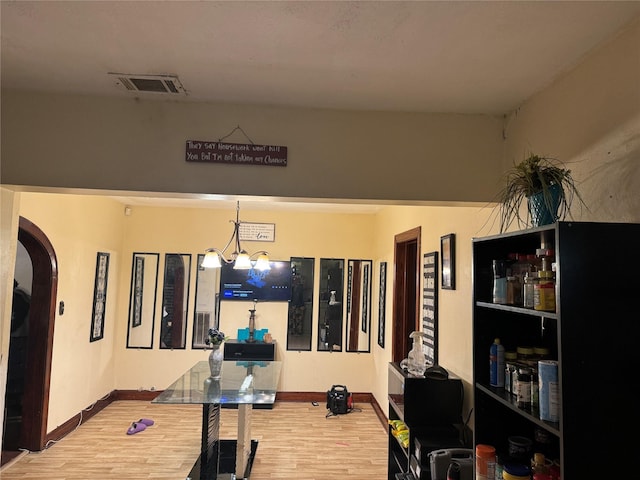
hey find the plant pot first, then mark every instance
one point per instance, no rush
(543, 208)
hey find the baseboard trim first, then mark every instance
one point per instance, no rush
(145, 395)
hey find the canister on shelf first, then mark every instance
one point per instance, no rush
(549, 401)
(541, 353)
(485, 462)
(514, 291)
(524, 388)
(534, 388)
(530, 281)
(544, 292)
(499, 282)
(510, 371)
(525, 355)
(516, 471)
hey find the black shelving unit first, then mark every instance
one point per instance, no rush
(592, 334)
(431, 409)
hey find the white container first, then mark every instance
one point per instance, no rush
(548, 395)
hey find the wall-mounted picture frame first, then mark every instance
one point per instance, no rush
(138, 291)
(430, 307)
(99, 296)
(448, 255)
(382, 303)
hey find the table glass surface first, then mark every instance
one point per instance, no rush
(241, 382)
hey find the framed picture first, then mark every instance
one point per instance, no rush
(382, 302)
(99, 296)
(365, 298)
(138, 290)
(448, 254)
(430, 306)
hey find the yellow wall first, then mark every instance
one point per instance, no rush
(78, 226)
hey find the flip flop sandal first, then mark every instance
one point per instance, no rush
(135, 428)
(147, 421)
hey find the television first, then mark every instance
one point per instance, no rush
(264, 286)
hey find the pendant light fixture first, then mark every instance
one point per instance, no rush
(240, 258)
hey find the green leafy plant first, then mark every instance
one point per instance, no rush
(537, 174)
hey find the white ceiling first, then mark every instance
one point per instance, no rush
(479, 57)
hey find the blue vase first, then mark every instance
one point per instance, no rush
(544, 212)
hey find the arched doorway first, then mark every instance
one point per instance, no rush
(35, 399)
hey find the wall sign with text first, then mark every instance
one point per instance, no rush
(236, 153)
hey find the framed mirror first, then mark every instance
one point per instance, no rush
(206, 312)
(175, 297)
(358, 328)
(330, 305)
(142, 299)
(301, 304)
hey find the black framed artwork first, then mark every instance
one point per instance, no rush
(447, 252)
(382, 302)
(99, 297)
(430, 306)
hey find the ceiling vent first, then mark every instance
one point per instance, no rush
(166, 84)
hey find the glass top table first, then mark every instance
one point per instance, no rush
(242, 383)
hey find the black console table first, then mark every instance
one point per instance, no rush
(242, 350)
(242, 383)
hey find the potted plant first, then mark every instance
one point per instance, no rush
(548, 187)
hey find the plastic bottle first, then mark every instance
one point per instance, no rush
(485, 462)
(496, 364)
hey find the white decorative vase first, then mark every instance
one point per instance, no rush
(216, 357)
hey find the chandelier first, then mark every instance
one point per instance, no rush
(240, 258)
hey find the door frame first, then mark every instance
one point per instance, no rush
(406, 291)
(35, 403)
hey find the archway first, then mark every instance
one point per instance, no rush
(35, 400)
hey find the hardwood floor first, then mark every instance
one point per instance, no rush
(296, 441)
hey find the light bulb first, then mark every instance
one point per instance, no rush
(211, 260)
(262, 263)
(242, 262)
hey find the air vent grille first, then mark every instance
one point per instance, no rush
(163, 84)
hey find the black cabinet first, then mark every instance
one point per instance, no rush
(256, 351)
(591, 334)
(432, 411)
(249, 352)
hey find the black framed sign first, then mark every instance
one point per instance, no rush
(430, 306)
(138, 290)
(99, 296)
(382, 301)
(365, 298)
(447, 251)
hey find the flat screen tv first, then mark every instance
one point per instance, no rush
(264, 286)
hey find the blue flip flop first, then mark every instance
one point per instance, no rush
(135, 428)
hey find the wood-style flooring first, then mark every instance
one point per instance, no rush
(296, 441)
